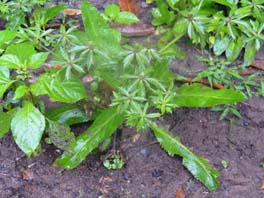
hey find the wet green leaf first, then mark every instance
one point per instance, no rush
(103, 127)
(67, 114)
(126, 17)
(27, 127)
(5, 121)
(60, 89)
(197, 165)
(201, 96)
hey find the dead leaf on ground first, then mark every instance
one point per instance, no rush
(72, 12)
(135, 138)
(27, 175)
(129, 5)
(180, 193)
(259, 64)
(136, 29)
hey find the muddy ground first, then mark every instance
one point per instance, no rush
(149, 172)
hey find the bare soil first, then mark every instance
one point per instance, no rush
(149, 172)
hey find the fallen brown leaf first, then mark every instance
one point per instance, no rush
(27, 175)
(72, 12)
(135, 138)
(180, 193)
(135, 29)
(129, 5)
(259, 64)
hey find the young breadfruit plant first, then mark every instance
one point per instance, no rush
(142, 93)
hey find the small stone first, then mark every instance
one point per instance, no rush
(145, 152)
(157, 173)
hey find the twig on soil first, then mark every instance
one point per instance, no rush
(247, 72)
(202, 81)
(259, 64)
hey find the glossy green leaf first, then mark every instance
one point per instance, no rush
(197, 165)
(43, 15)
(5, 82)
(5, 36)
(126, 17)
(233, 50)
(11, 61)
(112, 10)
(36, 60)
(22, 50)
(250, 52)
(20, 92)
(221, 45)
(172, 2)
(67, 114)
(5, 121)
(198, 95)
(95, 23)
(103, 127)
(59, 88)
(27, 127)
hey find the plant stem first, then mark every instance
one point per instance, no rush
(171, 43)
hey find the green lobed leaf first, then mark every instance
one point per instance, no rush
(67, 114)
(197, 165)
(102, 128)
(27, 127)
(198, 95)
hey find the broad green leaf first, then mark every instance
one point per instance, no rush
(22, 50)
(60, 135)
(20, 92)
(36, 60)
(5, 121)
(221, 45)
(102, 128)
(126, 17)
(250, 52)
(59, 88)
(5, 36)
(198, 95)
(197, 165)
(233, 50)
(112, 10)
(11, 61)
(5, 82)
(43, 15)
(172, 3)
(98, 31)
(67, 114)
(27, 127)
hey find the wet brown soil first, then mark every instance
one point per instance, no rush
(148, 171)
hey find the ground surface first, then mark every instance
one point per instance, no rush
(149, 172)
